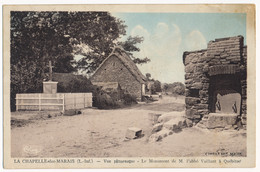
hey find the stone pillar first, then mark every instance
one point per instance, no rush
(196, 84)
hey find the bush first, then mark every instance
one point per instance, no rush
(180, 90)
(69, 83)
(176, 88)
(101, 99)
(128, 99)
(104, 101)
(156, 87)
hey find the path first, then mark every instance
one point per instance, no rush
(101, 133)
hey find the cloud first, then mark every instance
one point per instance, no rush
(164, 41)
(165, 46)
(162, 46)
(140, 31)
(195, 40)
(161, 30)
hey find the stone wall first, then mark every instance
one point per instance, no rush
(243, 68)
(197, 85)
(223, 58)
(113, 70)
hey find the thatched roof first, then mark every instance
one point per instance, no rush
(127, 62)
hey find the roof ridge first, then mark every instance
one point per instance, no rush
(118, 50)
(135, 72)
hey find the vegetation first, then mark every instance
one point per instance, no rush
(69, 83)
(154, 85)
(174, 88)
(37, 37)
(103, 100)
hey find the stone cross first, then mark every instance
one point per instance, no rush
(50, 71)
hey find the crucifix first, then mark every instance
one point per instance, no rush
(50, 71)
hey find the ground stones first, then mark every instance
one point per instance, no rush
(175, 124)
(154, 117)
(189, 122)
(133, 133)
(157, 127)
(219, 120)
(167, 124)
(164, 133)
(155, 138)
(160, 135)
(71, 112)
(170, 115)
(228, 127)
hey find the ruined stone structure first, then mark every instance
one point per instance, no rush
(118, 67)
(216, 83)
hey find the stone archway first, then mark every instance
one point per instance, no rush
(225, 94)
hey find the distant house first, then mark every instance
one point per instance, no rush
(118, 67)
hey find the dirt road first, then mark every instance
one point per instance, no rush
(101, 133)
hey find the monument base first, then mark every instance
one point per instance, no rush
(50, 87)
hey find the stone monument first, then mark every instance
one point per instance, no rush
(216, 83)
(50, 87)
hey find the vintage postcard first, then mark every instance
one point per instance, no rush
(129, 86)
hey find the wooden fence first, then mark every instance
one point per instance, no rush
(59, 101)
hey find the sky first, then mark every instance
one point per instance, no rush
(168, 35)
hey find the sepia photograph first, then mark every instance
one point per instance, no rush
(151, 86)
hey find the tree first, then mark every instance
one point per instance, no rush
(174, 88)
(165, 87)
(92, 59)
(34, 41)
(130, 46)
(37, 37)
(156, 87)
(148, 76)
(179, 89)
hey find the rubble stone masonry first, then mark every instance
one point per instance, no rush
(223, 66)
(113, 70)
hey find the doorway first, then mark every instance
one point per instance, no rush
(225, 94)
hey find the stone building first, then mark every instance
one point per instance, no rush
(112, 88)
(216, 86)
(118, 67)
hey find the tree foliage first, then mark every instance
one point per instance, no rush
(174, 88)
(68, 82)
(130, 46)
(37, 37)
(156, 87)
(148, 76)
